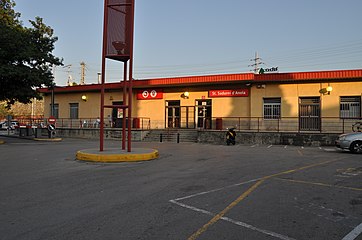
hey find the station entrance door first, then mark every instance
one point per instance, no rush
(173, 114)
(309, 114)
(203, 113)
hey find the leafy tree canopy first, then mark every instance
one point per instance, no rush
(26, 58)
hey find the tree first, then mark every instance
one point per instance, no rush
(4, 111)
(26, 58)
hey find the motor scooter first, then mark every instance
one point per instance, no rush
(230, 136)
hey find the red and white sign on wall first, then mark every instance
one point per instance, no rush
(150, 94)
(52, 120)
(229, 93)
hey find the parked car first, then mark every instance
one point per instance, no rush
(4, 125)
(350, 141)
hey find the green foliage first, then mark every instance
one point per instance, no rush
(4, 111)
(26, 58)
(7, 13)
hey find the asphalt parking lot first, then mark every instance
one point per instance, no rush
(192, 191)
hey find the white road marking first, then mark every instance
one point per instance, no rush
(217, 189)
(242, 224)
(269, 146)
(330, 150)
(354, 234)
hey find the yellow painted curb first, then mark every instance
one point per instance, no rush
(2, 142)
(48, 139)
(116, 157)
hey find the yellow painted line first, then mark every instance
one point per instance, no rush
(2, 142)
(300, 152)
(223, 212)
(320, 184)
(299, 169)
(117, 157)
(249, 191)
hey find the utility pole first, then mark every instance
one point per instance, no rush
(257, 62)
(70, 79)
(82, 73)
(99, 78)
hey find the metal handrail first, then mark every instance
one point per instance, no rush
(286, 124)
(251, 124)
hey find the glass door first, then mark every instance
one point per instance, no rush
(173, 114)
(203, 113)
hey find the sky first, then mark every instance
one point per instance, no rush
(206, 37)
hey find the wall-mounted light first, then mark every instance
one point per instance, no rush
(84, 98)
(329, 89)
(326, 90)
(185, 95)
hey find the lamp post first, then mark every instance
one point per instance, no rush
(52, 110)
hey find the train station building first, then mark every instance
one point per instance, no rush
(298, 101)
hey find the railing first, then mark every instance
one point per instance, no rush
(252, 124)
(286, 124)
(27, 120)
(137, 123)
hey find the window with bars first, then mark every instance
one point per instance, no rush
(73, 113)
(272, 108)
(350, 107)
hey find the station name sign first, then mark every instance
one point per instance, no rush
(229, 93)
(149, 94)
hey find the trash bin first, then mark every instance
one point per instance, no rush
(22, 131)
(218, 123)
(28, 131)
(38, 132)
(136, 123)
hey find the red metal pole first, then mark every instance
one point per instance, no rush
(130, 92)
(105, 25)
(124, 103)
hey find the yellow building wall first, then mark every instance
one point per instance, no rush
(290, 94)
(251, 106)
(87, 109)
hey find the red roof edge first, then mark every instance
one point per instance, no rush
(339, 74)
(247, 77)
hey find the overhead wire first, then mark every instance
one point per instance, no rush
(346, 55)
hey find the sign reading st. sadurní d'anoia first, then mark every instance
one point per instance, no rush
(229, 93)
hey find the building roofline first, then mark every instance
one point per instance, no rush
(308, 76)
(335, 75)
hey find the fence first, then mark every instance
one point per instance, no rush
(137, 123)
(286, 124)
(252, 124)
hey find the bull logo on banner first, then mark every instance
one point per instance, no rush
(150, 94)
